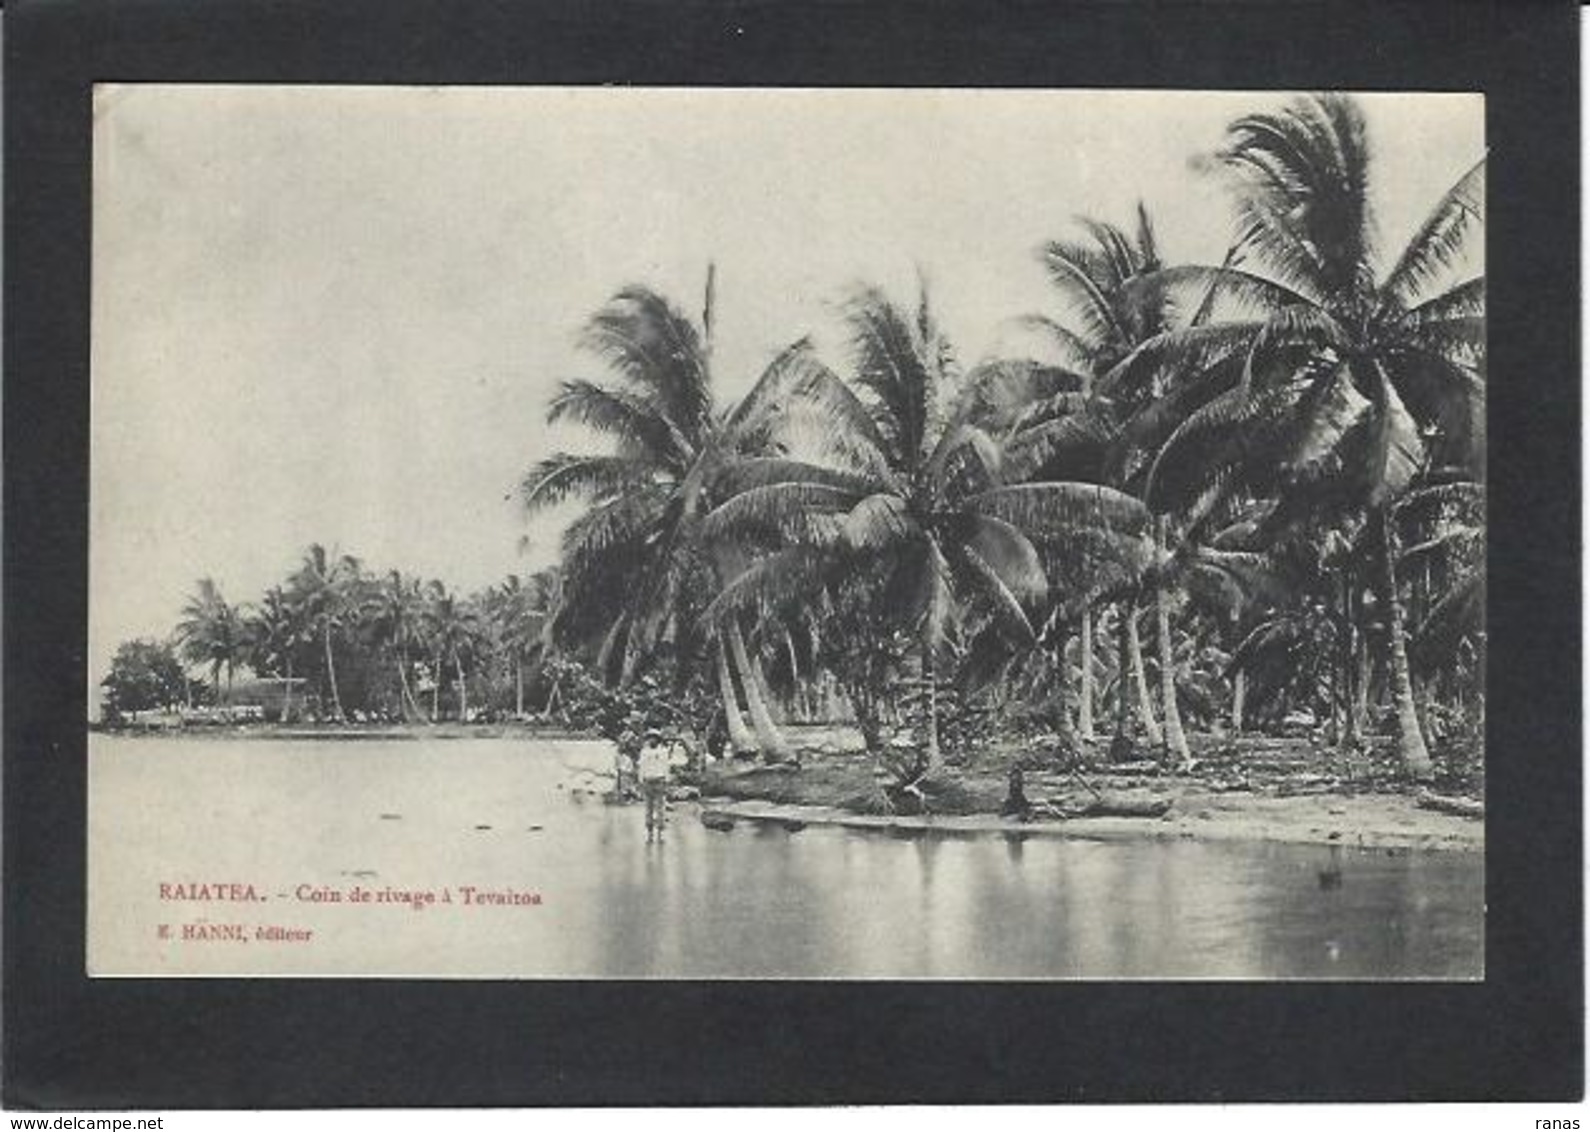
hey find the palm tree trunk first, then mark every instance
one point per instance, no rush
(1123, 686)
(331, 676)
(410, 708)
(930, 691)
(1414, 754)
(1063, 726)
(763, 688)
(436, 689)
(518, 687)
(1145, 708)
(1085, 705)
(741, 741)
(768, 738)
(287, 691)
(1175, 737)
(1239, 694)
(463, 689)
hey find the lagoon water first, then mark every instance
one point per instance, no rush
(585, 896)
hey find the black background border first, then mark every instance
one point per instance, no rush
(75, 1043)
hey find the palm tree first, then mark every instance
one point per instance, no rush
(212, 632)
(909, 495)
(1100, 425)
(392, 612)
(520, 612)
(276, 632)
(635, 571)
(322, 588)
(1368, 374)
(454, 629)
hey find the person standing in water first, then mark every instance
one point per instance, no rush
(654, 758)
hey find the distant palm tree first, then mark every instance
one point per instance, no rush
(520, 612)
(454, 629)
(323, 588)
(392, 612)
(212, 632)
(1363, 377)
(909, 495)
(276, 631)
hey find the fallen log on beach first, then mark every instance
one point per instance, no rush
(1462, 807)
(1106, 806)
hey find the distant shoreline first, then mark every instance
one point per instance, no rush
(346, 732)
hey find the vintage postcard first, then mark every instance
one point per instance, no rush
(622, 532)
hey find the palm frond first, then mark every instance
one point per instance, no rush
(1075, 348)
(889, 362)
(1009, 554)
(997, 591)
(1396, 453)
(998, 392)
(1440, 241)
(749, 472)
(797, 511)
(768, 584)
(1047, 509)
(562, 475)
(877, 522)
(1302, 179)
(1465, 298)
(642, 432)
(1078, 272)
(643, 336)
(1459, 615)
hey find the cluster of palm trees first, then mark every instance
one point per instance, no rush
(1276, 460)
(361, 644)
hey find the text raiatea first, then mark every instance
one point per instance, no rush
(212, 890)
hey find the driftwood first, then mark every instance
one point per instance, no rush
(1109, 806)
(1462, 807)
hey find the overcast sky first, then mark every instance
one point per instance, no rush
(336, 314)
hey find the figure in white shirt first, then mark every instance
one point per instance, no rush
(654, 759)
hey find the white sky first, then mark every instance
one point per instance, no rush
(336, 314)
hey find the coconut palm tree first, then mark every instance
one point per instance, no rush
(520, 612)
(1100, 424)
(322, 588)
(908, 496)
(212, 632)
(635, 571)
(277, 632)
(1363, 373)
(453, 629)
(392, 613)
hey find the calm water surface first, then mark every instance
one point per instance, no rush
(293, 816)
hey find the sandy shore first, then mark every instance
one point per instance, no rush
(1378, 822)
(1259, 789)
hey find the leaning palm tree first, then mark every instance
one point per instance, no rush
(212, 632)
(635, 572)
(1362, 374)
(906, 491)
(322, 588)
